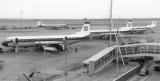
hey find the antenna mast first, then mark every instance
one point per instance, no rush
(21, 24)
(111, 23)
(114, 31)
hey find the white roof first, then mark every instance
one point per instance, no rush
(100, 54)
(108, 49)
(153, 43)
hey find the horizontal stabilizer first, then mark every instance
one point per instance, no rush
(48, 42)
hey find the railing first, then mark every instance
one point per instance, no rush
(140, 49)
(97, 62)
(129, 74)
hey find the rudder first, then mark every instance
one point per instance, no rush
(85, 27)
(154, 23)
(39, 23)
(129, 23)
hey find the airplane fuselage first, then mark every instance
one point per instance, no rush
(38, 41)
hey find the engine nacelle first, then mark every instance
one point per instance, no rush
(60, 47)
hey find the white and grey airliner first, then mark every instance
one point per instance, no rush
(52, 42)
(56, 42)
(137, 29)
(52, 26)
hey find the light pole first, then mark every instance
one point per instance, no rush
(16, 41)
(66, 57)
(112, 26)
(111, 23)
(21, 24)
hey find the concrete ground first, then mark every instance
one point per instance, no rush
(25, 60)
(107, 74)
(153, 75)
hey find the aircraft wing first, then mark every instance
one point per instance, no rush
(48, 42)
(108, 32)
(99, 31)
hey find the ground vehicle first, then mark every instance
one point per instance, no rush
(144, 71)
(157, 65)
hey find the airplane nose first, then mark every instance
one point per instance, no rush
(5, 43)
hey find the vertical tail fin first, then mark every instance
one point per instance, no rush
(154, 23)
(39, 23)
(129, 24)
(85, 27)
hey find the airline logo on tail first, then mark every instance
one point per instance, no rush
(86, 27)
(39, 23)
(153, 24)
(129, 24)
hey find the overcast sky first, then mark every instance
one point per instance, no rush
(79, 8)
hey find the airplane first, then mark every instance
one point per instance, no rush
(153, 25)
(56, 42)
(106, 33)
(50, 43)
(128, 29)
(137, 29)
(53, 26)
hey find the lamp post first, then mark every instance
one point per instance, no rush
(111, 23)
(66, 58)
(16, 41)
(112, 26)
(21, 24)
